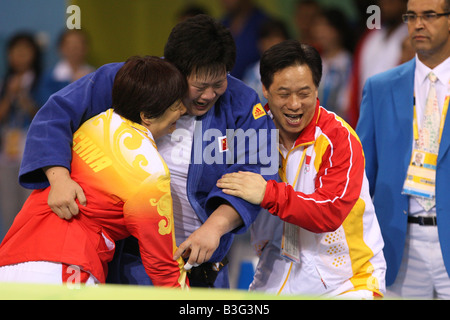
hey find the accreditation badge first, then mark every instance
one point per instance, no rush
(290, 242)
(421, 176)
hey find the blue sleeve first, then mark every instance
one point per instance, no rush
(255, 149)
(365, 129)
(48, 86)
(49, 138)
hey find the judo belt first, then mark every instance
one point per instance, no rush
(423, 221)
(131, 246)
(202, 276)
(205, 274)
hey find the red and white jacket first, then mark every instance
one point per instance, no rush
(325, 192)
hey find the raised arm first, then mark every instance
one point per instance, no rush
(47, 154)
(49, 138)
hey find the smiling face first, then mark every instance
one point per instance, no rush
(292, 99)
(204, 91)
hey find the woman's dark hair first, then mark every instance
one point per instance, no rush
(36, 66)
(146, 84)
(201, 44)
(286, 54)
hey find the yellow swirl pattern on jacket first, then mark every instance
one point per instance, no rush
(133, 161)
(164, 207)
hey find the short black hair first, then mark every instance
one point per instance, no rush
(286, 54)
(146, 84)
(201, 44)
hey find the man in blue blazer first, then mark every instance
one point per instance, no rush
(413, 236)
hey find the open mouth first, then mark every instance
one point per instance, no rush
(200, 105)
(293, 118)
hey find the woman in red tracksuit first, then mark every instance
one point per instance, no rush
(127, 187)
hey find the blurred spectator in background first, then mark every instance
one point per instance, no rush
(333, 36)
(244, 19)
(73, 47)
(190, 11)
(18, 106)
(272, 32)
(377, 50)
(305, 13)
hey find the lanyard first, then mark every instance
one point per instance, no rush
(306, 155)
(300, 166)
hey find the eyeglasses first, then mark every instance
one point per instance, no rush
(426, 17)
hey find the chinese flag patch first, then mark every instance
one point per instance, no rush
(223, 144)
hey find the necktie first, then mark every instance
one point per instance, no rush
(429, 134)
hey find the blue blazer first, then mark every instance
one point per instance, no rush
(385, 128)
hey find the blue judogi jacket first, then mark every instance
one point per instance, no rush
(50, 137)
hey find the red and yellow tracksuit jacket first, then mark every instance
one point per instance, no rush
(127, 186)
(324, 192)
